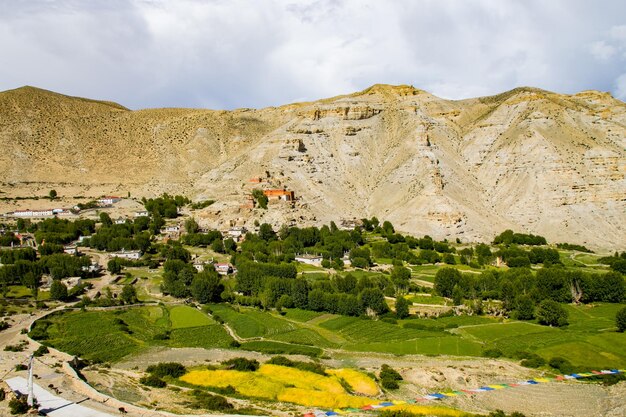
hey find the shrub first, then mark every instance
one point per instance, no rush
(18, 405)
(41, 350)
(163, 369)
(552, 313)
(242, 364)
(387, 372)
(389, 383)
(235, 344)
(204, 400)
(533, 362)
(561, 364)
(620, 320)
(4, 325)
(304, 366)
(152, 381)
(492, 353)
(20, 367)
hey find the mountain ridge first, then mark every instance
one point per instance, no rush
(527, 159)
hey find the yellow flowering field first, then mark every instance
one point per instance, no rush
(281, 383)
(360, 383)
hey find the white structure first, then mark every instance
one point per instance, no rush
(223, 269)
(120, 220)
(126, 254)
(33, 213)
(70, 250)
(199, 266)
(237, 233)
(172, 229)
(315, 260)
(109, 200)
(143, 213)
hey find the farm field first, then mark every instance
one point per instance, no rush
(280, 383)
(589, 341)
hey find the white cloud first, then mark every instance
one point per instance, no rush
(245, 53)
(602, 51)
(620, 90)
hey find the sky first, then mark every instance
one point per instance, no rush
(226, 54)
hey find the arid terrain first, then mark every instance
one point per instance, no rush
(528, 159)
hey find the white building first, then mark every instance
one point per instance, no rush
(33, 213)
(223, 269)
(237, 233)
(109, 200)
(309, 259)
(70, 250)
(120, 220)
(143, 213)
(126, 254)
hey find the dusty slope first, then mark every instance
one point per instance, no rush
(526, 159)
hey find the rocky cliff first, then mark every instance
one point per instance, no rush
(527, 159)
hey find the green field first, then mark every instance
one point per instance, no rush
(185, 316)
(74, 332)
(589, 341)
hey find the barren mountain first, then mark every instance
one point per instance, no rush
(527, 159)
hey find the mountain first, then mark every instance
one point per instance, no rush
(528, 159)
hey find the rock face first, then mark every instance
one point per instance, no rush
(527, 159)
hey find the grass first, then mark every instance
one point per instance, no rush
(301, 315)
(185, 316)
(427, 299)
(74, 332)
(249, 322)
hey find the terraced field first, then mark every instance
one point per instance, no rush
(589, 341)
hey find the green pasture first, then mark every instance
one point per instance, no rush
(427, 299)
(249, 322)
(590, 340)
(185, 316)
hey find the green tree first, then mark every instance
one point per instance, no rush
(552, 313)
(402, 307)
(373, 299)
(58, 290)
(400, 276)
(191, 225)
(457, 295)
(52, 194)
(525, 307)
(105, 219)
(620, 320)
(206, 287)
(114, 266)
(129, 294)
(445, 280)
(266, 232)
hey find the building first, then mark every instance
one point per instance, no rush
(70, 250)
(126, 254)
(120, 220)
(223, 268)
(199, 266)
(172, 229)
(92, 269)
(315, 260)
(283, 195)
(33, 213)
(237, 233)
(143, 213)
(109, 200)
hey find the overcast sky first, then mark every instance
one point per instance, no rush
(225, 54)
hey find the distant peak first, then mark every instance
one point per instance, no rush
(388, 89)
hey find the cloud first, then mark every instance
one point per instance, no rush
(602, 51)
(245, 53)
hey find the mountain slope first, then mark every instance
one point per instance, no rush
(527, 159)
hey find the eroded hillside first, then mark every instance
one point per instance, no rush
(526, 159)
